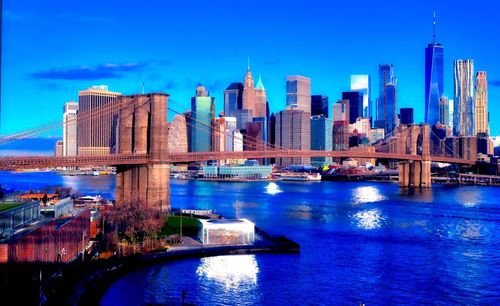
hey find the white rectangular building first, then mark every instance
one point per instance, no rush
(227, 231)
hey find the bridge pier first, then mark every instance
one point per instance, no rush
(143, 130)
(415, 174)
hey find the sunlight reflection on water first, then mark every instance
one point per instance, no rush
(369, 219)
(231, 271)
(367, 194)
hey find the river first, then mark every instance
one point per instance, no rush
(369, 243)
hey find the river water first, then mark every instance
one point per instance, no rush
(367, 243)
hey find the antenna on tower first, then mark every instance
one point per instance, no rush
(249, 63)
(434, 28)
(142, 87)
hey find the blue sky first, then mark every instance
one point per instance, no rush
(52, 49)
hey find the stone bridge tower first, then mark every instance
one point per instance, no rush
(414, 140)
(143, 130)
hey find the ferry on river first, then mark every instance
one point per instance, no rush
(300, 176)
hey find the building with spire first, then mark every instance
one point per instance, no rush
(481, 107)
(434, 78)
(463, 108)
(260, 100)
(249, 93)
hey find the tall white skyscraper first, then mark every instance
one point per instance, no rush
(69, 144)
(361, 83)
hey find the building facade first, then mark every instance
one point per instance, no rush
(355, 105)
(444, 111)
(340, 110)
(70, 113)
(298, 93)
(201, 122)
(321, 139)
(233, 99)
(260, 100)
(406, 115)
(361, 83)
(293, 131)
(385, 77)
(319, 106)
(248, 102)
(463, 108)
(481, 106)
(97, 121)
(178, 134)
(434, 79)
(390, 109)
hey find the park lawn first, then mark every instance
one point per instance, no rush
(7, 205)
(172, 226)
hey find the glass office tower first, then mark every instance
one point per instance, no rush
(434, 79)
(201, 108)
(361, 83)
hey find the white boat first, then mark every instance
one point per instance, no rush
(300, 176)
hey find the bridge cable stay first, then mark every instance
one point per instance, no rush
(257, 141)
(443, 151)
(45, 128)
(196, 125)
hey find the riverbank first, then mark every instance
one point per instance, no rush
(88, 281)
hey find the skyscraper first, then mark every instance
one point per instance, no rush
(434, 78)
(233, 98)
(482, 115)
(340, 129)
(321, 138)
(340, 110)
(355, 105)
(293, 131)
(70, 112)
(298, 93)
(463, 108)
(444, 111)
(260, 100)
(390, 108)
(386, 103)
(406, 115)
(97, 121)
(361, 83)
(319, 106)
(201, 108)
(178, 134)
(249, 93)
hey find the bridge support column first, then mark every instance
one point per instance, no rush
(415, 174)
(143, 130)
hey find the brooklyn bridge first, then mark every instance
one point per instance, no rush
(143, 160)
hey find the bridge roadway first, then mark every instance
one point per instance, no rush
(30, 162)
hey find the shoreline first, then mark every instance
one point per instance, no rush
(100, 275)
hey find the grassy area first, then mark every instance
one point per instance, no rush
(8, 205)
(172, 226)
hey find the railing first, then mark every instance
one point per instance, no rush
(21, 162)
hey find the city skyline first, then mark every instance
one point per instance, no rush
(62, 65)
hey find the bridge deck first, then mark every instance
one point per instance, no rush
(139, 159)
